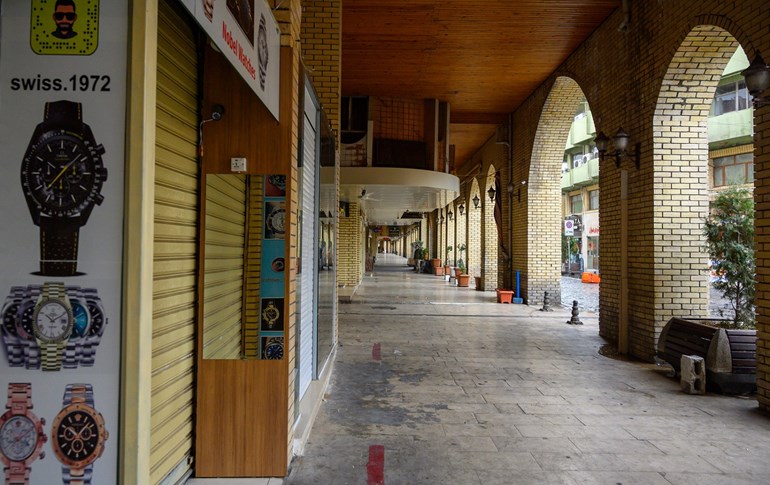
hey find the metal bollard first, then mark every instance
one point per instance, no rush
(546, 303)
(574, 320)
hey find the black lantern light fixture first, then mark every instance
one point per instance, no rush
(620, 145)
(757, 77)
(476, 201)
(461, 209)
(449, 215)
(518, 194)
(491, 193)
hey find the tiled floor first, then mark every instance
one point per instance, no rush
(472, 392)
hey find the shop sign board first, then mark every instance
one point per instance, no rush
(247, 34)
(62, 130)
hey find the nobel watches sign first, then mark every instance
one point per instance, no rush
(248, 36)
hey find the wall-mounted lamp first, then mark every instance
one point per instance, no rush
(449, 215)
(461, 209)
(757, 77)
(476, 201)
(518, 194)
(441, 219)
(491, 193)
(620, 143)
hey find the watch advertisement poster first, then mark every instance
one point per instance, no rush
(247, 34)
(62, 133)
(271, 289)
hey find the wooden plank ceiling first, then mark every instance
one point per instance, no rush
(483, 57)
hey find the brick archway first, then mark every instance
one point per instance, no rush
(680, 181)
(474, 231)
(544, 191)
(491, 237)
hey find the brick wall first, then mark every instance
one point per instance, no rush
(654, 80)
(350, 255)
(541, 196)
(473, 217)
(490, 241)
(321, 53)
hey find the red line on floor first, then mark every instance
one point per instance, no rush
(376, 352)
(375, 469)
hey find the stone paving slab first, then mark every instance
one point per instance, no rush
(483, 393)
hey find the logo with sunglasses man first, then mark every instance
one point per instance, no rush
(64, 16)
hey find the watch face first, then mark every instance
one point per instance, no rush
(25, 329)
(18, 438)
(10, 316)
(76, 435)
(97, 319)
(62, 174)
(274, 350)
(80, 317)
(277, 221)
(52, 321)
(262, 51)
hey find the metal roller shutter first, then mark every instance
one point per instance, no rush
(223, 273)
(309, 245)
(175, 246)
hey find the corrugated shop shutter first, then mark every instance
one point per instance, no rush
(223, 273)
(176, 247)
(309, 245)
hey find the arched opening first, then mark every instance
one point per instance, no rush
(546, 205)
(688, 169)
(492, 230)
(474, 229)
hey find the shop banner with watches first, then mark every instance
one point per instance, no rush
(62, 129)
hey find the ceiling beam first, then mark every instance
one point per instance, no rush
(477, 118)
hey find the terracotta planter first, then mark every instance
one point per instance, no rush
(435, 262)
(463, 280)
(504, 296)
(438, 270)
(447, 269)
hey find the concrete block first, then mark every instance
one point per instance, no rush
(693, 372)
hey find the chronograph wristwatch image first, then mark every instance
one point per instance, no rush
(78, 434)
(62, 175)
(52, 323)
(21, 434)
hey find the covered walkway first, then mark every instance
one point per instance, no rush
(481, 393)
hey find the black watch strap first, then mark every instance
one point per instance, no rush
(58, 247)
(67, 115)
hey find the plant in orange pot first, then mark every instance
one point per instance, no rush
(463, 278)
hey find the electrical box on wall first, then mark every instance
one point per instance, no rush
(238, 164)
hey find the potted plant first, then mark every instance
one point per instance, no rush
(729, 232)
(463, 278)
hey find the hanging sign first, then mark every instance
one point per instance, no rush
(248, 36)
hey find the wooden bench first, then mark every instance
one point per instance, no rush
(730, 355)
(737, 373)
(684, 337)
